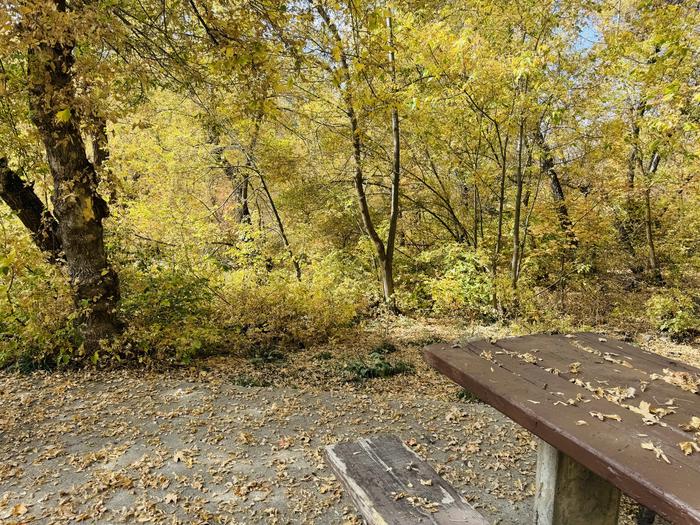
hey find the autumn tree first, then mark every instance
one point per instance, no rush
(44, 37)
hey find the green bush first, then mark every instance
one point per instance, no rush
(676, 313)
(467, 396)
(463, 286)
(36, 310)
(375, 366)
(277, 312)
(384, 348)
(170, 316)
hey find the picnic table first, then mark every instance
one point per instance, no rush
(611, 418)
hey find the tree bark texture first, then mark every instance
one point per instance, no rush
(78, 207)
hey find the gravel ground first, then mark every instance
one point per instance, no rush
(191, 445)
(126, 448)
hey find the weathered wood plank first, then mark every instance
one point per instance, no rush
(621, 439)
(537, 399)
(560, 352)
(391, 485)
(549, 394)
(567, 493)
(638, 355)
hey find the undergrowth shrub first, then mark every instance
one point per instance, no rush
(325, 355)
(458, 283)
(170, 315)
(676, 313)
(36, 310)
(385, 348)
(279, 312)
(466, 396)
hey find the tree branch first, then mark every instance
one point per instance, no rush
(20, 197)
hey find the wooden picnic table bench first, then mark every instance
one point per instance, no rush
(611, 418)
(391, 485)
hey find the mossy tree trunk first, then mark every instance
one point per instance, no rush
(78, 208)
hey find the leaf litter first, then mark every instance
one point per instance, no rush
(189, 445)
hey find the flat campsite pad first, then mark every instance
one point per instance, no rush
(186, 447)
(130, 447)
(630, 416)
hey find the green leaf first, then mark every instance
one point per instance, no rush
(63, 116)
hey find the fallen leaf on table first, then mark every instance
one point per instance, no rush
(618, 394)
(688, 447)
(171, 497)
(648, 445)
(426, 482)
(693, 425)
(528, 358)
(649, 415)
(683, 380)
(603, 417)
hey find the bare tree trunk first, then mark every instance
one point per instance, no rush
(461, 233)
(395, 180)
(515, 262)
(243, 215)
(100, 143)
(649, 233)
(648, 221)
(29, 208)
(476, 217)
(547, 167)
(627, 227)
(78, 207)
(280, 225)
(499, 233)
(240, 179)
(359, 182)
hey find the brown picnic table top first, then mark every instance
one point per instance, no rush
(623, 413)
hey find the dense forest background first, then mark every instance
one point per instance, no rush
(199, 176)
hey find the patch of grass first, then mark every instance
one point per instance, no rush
(376, 366)
(384, 348)
(323, 356)
(247, 381)
(427, 340)
(27, 362)
(467, 397)
(265, 355)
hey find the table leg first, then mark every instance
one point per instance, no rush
(567, 493)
